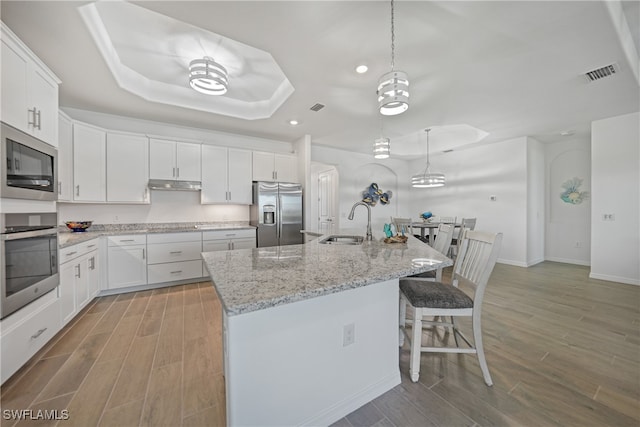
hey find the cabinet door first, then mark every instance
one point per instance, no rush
(286, 166)
(215, 245)
(89, 165)
(127, 168)
(13, 75)
(43, 96)
(93, 274)
(126, 266)
(262, 169)
(82, 281)
(243, 243)
(239, 177)
(162, 159)
(214, 175)
(188, 161)
(65, 159)
(67, 291)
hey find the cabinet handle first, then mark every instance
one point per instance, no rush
(127, 240)
(230, 235)
(177, 172)
(59, 188)
(91, 246)
(39, 125)
(31, 122)
(175, 252)
(233, 245)
(71, 253)
(78, 190)
(78, 269)
(173, 174)
(176, 272)
(17, 163)
(143, 257)
(37, 334)
(229, 196)
(92, 263)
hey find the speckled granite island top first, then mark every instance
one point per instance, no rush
(68, 238)
(256, 279)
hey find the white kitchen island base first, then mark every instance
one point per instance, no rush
(288, 365)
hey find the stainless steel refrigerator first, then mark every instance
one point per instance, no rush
(277, 213)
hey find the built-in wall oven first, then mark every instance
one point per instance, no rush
(29, 169)
(28, 257)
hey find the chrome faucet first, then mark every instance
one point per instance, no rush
(369, 235)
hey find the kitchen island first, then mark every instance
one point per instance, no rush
(311, 330)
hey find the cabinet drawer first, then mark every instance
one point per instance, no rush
(229, 234)
(172, 252)
(74, 251)
(169, 272)
(25, 339)
(192, 236)
(127, 239)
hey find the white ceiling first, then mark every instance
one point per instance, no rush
(510, 68)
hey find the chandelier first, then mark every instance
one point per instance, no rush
(427, 179)
(393, 87)
(208, 77)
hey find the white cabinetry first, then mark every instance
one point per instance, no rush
(174, 160)
(26, 331)
(29, 90)
(274, 167)
(226, 175)
(225, 240)
(89, 163)
(174, 256)
(79, 278)
(126, 261)
(65, 158)
(127, 168)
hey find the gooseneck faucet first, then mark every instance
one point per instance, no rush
(369, 235)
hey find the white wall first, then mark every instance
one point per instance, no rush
(568, 226)
(615, 172)
(166, 206)
(472, 177)
(356, 172)
(535, 202)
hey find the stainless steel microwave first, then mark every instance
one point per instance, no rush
(29, 169)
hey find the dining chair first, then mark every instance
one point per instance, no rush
(441, 244)
(402, 225)
(473, 267)
(447, 219)
(465, 224)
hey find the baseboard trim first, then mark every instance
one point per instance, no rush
(511, 262)
(341, 409)
(608, 278)
(569, 261)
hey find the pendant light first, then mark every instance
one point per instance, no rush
(426, 179)
(381, 146)
(393, 87)
(208, 77)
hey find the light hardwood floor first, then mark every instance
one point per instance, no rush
(563, 350)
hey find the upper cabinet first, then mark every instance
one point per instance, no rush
(226, 175)
(65, 158)
(29, 90)
(274, 167)
(89, 163)
(174, 160)
(127, 168)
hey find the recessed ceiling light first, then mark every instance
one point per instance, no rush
(361, 69)
(294, 122)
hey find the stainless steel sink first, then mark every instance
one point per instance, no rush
(342, 240)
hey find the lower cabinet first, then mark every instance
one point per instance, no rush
(126, 261)
(26, 331)
(174, 256)
(226, 240)
(79, 278)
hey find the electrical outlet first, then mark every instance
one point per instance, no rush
(348, 334)
(608, 217)
(493, 198)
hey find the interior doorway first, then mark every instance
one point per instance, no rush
(324, 179)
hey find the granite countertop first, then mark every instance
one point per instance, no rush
(255, 279)
(68, 238)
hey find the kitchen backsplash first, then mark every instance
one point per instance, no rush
(165, 206)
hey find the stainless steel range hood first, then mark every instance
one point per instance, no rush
(169, 184)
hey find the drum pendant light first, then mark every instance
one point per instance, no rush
(427, 179)
(393, 87)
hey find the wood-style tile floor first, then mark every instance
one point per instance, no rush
(563, 350)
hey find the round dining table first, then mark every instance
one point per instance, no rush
(431, 226)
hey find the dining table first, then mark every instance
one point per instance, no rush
(431, 226)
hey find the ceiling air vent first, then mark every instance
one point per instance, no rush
(316, 107)
(602, 72)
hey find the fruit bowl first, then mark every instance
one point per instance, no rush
(78, 226)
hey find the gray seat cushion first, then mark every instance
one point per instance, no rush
(434, 294)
